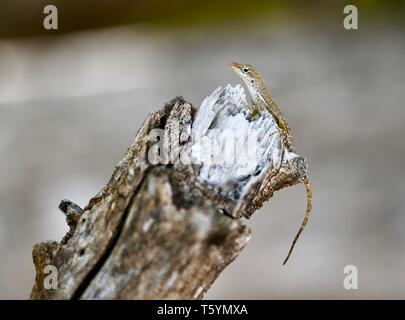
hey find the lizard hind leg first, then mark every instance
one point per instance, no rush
(282, 124)
(306, 218)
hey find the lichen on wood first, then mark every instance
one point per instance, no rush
(166, 229)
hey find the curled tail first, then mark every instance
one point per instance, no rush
(306, 218)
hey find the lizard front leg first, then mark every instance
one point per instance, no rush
(253, 110)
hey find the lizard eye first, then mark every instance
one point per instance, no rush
(245, 69)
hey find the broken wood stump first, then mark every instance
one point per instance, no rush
(169, 221)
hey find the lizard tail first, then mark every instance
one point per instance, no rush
(306, 218)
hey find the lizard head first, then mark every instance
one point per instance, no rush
(248, 74)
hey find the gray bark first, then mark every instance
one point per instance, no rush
(165, 226)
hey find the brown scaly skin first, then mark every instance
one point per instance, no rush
(261, 98)
(263, 101)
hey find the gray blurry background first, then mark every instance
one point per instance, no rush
(72, 100)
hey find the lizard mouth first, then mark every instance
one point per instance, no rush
(233, 63)
(235, 66)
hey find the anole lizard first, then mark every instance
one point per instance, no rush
(263, 101)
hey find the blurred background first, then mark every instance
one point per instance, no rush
(72, 99)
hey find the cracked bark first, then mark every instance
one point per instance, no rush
(167, 230)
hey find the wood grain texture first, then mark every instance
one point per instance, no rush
(166, 229)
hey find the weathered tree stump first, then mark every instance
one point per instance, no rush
(169, 220)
